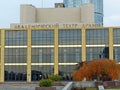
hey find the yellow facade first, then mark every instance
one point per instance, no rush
(2, 55)
(55, 46)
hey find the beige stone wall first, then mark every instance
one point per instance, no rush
(30, 14)
(59, 15)
(87, 15)
(27, 14)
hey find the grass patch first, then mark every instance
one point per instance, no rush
(91, 88)
(115, 88)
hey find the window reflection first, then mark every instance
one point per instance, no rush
(15, 37)
(41, 71)
(116, 35)
(117, 53)
(69, 37)
(15, 73)
(94, 36)
(42, 37)
(15, 55)
(70, 55)
(42, 55)
(66, 71)
(97, 53)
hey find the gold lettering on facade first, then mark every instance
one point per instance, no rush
(57, 25)
(70, 25)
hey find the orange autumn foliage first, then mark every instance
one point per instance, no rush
(79, 74)
(102, 68)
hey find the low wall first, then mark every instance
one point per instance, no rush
(91, 84)
(79, 84)
(84, 84)
(108, 83)
(96, 83)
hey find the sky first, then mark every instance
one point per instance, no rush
(10, 10)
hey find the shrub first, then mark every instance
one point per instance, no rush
(55, 77)
(99, 69)
(45, 83)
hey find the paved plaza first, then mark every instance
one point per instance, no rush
(22, 87)
(17, 87)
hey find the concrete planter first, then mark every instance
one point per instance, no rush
(78, 88)
(45, 88)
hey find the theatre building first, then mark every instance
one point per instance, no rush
(43, 46)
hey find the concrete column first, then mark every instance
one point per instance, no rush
(29, 55)
(2, 55)
(111, 43)
(83, 44)
(55, 51)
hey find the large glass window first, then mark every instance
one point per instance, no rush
(69, 55)
(117, 53)
(98, 18)
(42, 55)
(15, 55)
(15, 37)
(97, 36)
(41, 71)
(97, 53)
(66, 71)
(42, 37)
(15, 73)
(116, 35)
(69, 37)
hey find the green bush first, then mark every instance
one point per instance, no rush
(55, 77)
(45, 83)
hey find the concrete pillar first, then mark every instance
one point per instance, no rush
(55, 51)
(2, 55)
(29, 55)
(111, 43)
(83, 44)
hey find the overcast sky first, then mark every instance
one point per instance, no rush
(10, 10)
